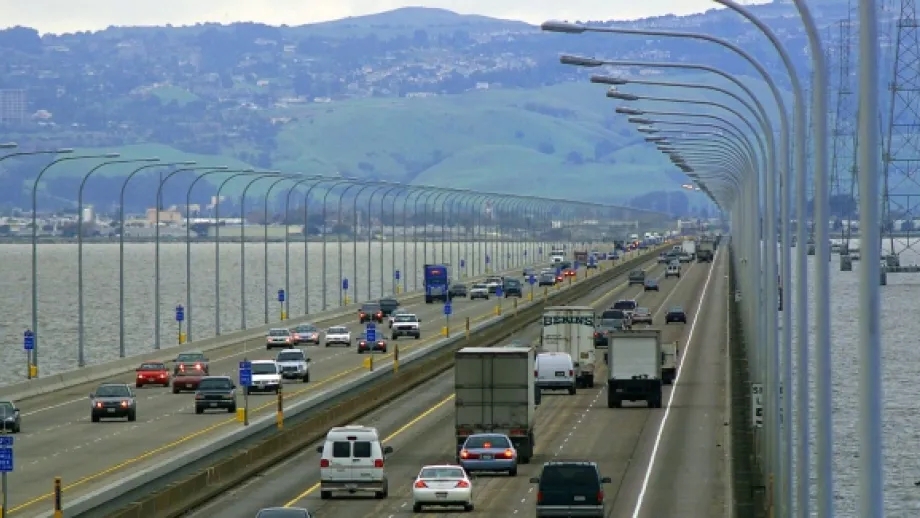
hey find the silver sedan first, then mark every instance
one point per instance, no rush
(442, 486)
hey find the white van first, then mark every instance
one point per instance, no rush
(672, 271)
(555, 371)
(352, 461)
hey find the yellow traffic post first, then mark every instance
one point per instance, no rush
(467, 328)
(182, 337)
(283, 315)
(395, 358)
(545, 293)
(33, 370)
(58, 506)
(398, 287)
(498, 308)
(240, 415)
(345, 300)
(570, 280)
(369, 362)
(279, 415)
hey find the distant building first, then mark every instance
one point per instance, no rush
(166, 216)
(89, 214)
(13, 106)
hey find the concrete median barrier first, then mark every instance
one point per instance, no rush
(173, 494)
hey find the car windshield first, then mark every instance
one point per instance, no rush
(283, 513)
(612, 314)
(479, 286)
(337, 330)
(441, 472)
(676, 309)
(487, 441)
(370, 307)
(650, 281)
(400, 311)
(279, 332)
(458, 286)
(389, 302)
(636, 274)
(305, 329)
(569, 475)
(152, 367)
(290, 357)
(625, 304)
(6, 408)
(642, 311)
(405, 318)
(493, 280)
(217, 383)
(189, 357)
(113, 391)
(264, 368)
(512, 283)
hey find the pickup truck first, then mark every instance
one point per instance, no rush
(338, 335)
(637, 277)
(406, 325)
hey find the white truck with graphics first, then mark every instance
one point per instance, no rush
(570, 329)
(634, 367)
(495, 393)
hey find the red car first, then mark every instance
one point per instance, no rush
(569, 272)
(152, 373)
(364, 346)
(190, 368)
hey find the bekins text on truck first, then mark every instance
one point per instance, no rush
(570, 330)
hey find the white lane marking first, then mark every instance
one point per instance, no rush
(667, 412)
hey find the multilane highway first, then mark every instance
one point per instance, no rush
(683, 474)
(59, 440)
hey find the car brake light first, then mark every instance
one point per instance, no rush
(199, 396)
(464, 454)
(378, 463)
(198, 366)
(535, 374)
(380, 343)
(463, 483)
(539, 497)
(571, 373)
(420, 484)
(98, 405)
(181, 367)
(600, 496)
(597, 335)
(508, 454)
(324, 463)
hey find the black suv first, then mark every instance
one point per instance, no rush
(387, 305)
(637, 277)
(570, 489)
(512, 288)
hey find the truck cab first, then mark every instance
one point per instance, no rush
(437, 283)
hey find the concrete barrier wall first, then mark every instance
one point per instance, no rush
(749, 496)
(177, 498)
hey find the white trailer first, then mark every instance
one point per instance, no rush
(570, 329)
(634, 367)
(495, 392)
(688, 247)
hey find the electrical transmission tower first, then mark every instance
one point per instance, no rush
(901, 157)
(843, 160)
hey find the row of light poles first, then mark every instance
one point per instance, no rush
(738, 164)
(523, 219)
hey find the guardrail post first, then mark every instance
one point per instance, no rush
(58, 493)
(369, 362)
(279, 416)
(467, 328)
(514, 304)
(395, 358)
(545, 293)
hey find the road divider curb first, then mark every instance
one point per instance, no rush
(157, 492)
(22, 390)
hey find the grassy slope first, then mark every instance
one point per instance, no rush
(485, 140)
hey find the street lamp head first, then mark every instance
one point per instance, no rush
(580, 61)
(563, 27)
(626, 110)
(111, 155)
(64, 150)
(220, 168)
(189, 162)
(654, 138)
(614, 94)
(8, 145)
(640, 120)
(608, 80)
(151, 159)
(646, 129)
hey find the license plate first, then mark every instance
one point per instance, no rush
(213, 405)
(351, 486)
(111, 410)
(579, 499)
(560, 374)
(486, 457)
(441, 494)
(188, 385)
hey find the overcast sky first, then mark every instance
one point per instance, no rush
(75, 15)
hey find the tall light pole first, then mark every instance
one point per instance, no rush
(268, 193)
(316, 179)
(81, 321)
(270, 174)
(349, 183)
(38, 178)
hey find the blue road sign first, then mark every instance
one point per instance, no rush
(345, 284)
(532, 279)
(6, 460)
(488, 259)
(246, 374)
(498, 291)
(6, 441)
(577, 265)
(396, 275)
(370, 332)
(180, 313)
(462, 263)
(448, 309)
(28, 340)
(280, 295)
(558, 271)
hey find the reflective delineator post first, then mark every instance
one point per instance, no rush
(58, 494)
(279, 415)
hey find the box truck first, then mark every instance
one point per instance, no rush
(495, 392)
(570, 329)
(670, 354)
(634, 367)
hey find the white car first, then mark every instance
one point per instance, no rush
(353, 462)
(294, 364)
(396, 312)
(493, 283)
(406, 324)
(338, 335)
(442, 486)
(279, 338)
(266, 377)
(479, 291)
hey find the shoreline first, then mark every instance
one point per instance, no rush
(259, 239)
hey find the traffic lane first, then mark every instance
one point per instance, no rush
(53, 401)
(693, 481)
(277, 485)
(88, 455)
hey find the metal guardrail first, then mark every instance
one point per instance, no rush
(172, 487)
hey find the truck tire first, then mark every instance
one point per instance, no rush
(325, 495)
(394, 337)
(613, 401)
(573, 390)
(590, 381)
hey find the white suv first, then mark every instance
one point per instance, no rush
(266, 377)
(672, 271)
(406, 325)
(352, 462)
(294, 364)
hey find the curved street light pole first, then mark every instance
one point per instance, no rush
(121, 249)
(258, 176)
(440, 193)
(268, 193)
(189, 328)
(354, 235)
(218, 197)
(383, 197)
(343, 293)
(306, 245)
(386, 187)
(33, 356)
(316, 179)
(81, 316)
(18, 154)
(338, 225)
(156, 245)
(419, 192)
